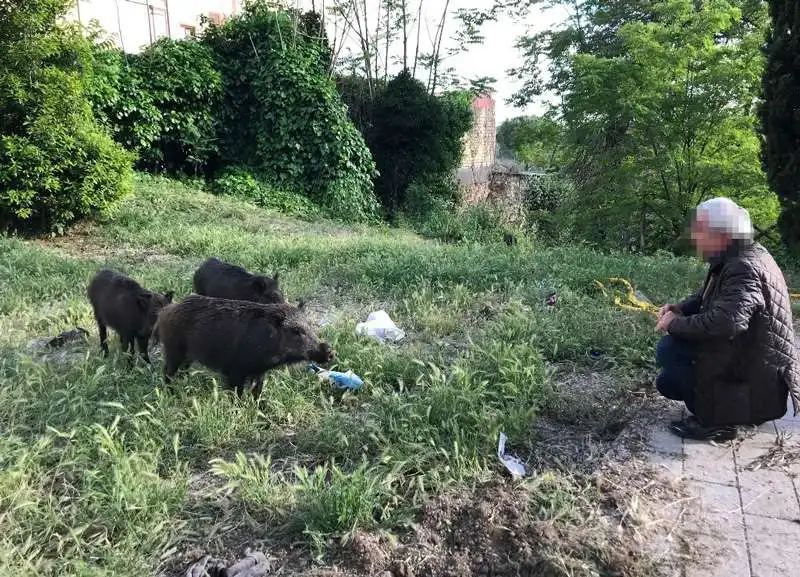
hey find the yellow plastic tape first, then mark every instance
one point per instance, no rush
(634, 304)
(631, 303)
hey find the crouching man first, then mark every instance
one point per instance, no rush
(729, 353)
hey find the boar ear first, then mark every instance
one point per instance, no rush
(301, 304)
(169, 296)
(143, 300)
(275, 276)
(260, 284)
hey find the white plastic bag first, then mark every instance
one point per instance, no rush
(513, 464)
(380, 326)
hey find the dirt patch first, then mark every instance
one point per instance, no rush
(65, 348)
(84, 242)
(547, 527)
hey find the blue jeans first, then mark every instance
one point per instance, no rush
(676, 380)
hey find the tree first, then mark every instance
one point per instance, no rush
(778, 113)
(57, 164)
(536, 140)
(377, 31)
(415, 136)
(658, 110)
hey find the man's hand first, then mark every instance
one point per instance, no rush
(668, 308)
(664, 320)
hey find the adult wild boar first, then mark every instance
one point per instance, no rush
(215, 278)
(239, 339)
(119, 302)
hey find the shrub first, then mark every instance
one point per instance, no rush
(282, 116)
(415, 136)
(545, 198)
(479, 223)
(161, 103)
(56, 162)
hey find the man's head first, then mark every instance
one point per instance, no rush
(717, 223)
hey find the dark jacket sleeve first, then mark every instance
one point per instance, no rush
(730, 312)
(691, 305)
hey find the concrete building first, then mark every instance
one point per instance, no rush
(134, 24)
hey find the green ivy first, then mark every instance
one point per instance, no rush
(281, 114)
(161, 103)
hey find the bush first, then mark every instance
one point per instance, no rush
(415, 136)
(240, 183)
(161, 103)
(281, 113)
(545, 198)
(479, 223)
(57, 164)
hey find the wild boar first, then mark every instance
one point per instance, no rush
(119, 302)
(239, 339)
(215, 278)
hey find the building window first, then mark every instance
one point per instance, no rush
(189, 32)
(216, 18)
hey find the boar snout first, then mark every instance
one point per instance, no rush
(324, 353)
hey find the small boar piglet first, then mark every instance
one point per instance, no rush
(239, 339)
(122, 304)
(215, 278)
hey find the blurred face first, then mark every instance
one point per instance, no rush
(708, 242)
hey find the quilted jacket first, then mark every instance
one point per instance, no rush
(746, 360)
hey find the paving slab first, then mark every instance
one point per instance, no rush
(666, 452)
(791, 426)
(727, 521)
(752, 447)
(709, 462)
(774, 546)
(769, 494)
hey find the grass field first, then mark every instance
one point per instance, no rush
(101, 474)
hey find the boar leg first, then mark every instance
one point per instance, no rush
(237, 382)
(101, 328)
(259, 385)
(142, 342)
(172, 363)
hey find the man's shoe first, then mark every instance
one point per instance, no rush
(692, 429)
(691, 420)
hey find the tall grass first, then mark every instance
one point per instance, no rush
(99, 469)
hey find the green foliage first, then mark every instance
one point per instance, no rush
(658, 111)
(282, 116)
(780, 125)
(359, 95)
(56, 162)
(161, 103)
(546, 199)
(533, 140)
(446, 221)
(240, 183)
(415, 136)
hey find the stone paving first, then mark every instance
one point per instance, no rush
(743, 520)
